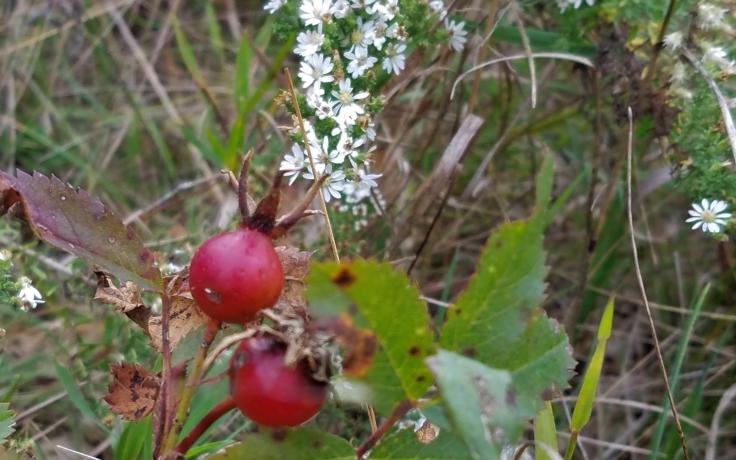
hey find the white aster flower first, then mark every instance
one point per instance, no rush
(346, 103)
(393, 31)
(563, 4)
(293, 164)
(340, 9)
(334, 185)
(359, 61)
(309, 42)
(4, 255)
(324, 108)
(674, 40)
(458, 34)
(366, 5)
(316, 69)
(709, 215)
(28, 295)
(394, 61)
(379, 34)
(316, 12)
(438, 6)
(272, 5)
(711, 16)
(362, 36)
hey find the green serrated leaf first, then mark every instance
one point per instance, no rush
(476, 399)
(300, 444)
(404, 446)
(388, 304)
(507, 287)
(540, 362)
(6, 421)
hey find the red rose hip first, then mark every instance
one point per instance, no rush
(235, 274)
(269, 392)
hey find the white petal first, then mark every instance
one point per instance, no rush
(713, 227)
(697, 207)
(694, 213)
(723, 215)
(718, 206)
(705, 204)
(693, 219)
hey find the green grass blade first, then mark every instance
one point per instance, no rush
(586, 398)
(545, 431)
(215, 32)
(675, 369)
(133, 439)
(185, 50)
(76, 397)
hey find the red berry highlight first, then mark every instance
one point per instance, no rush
(267, 391)
(235, 274)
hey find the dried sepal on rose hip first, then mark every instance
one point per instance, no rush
(268, 389)
(236, 274)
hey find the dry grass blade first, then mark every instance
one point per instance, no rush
(728, 396)
(515, 57)
(640, 280)
(720, 98)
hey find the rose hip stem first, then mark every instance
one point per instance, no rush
(193, 378)
(212, 416)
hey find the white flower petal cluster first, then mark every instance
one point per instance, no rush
(709, 215)
(564, 4)
(342, 45)
(28, 295)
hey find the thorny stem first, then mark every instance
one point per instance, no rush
(212, 416)
(163, 427)
(399, 411)
(193, 378)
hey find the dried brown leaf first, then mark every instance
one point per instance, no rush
(185, 317)
(125, 298)
(133, 391)
(295, 264)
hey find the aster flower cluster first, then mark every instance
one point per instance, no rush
(347, 50)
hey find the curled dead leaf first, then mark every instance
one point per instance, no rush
(427, 433)
(133, 391)
(295, 264)
(185, 316)
(125, 298)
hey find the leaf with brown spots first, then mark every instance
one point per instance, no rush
(295, 264)
(125, 298)
(133, 391)
(385, 302)
(76, 222)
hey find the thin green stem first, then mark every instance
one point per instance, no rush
(571, 445)
(192, 382)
